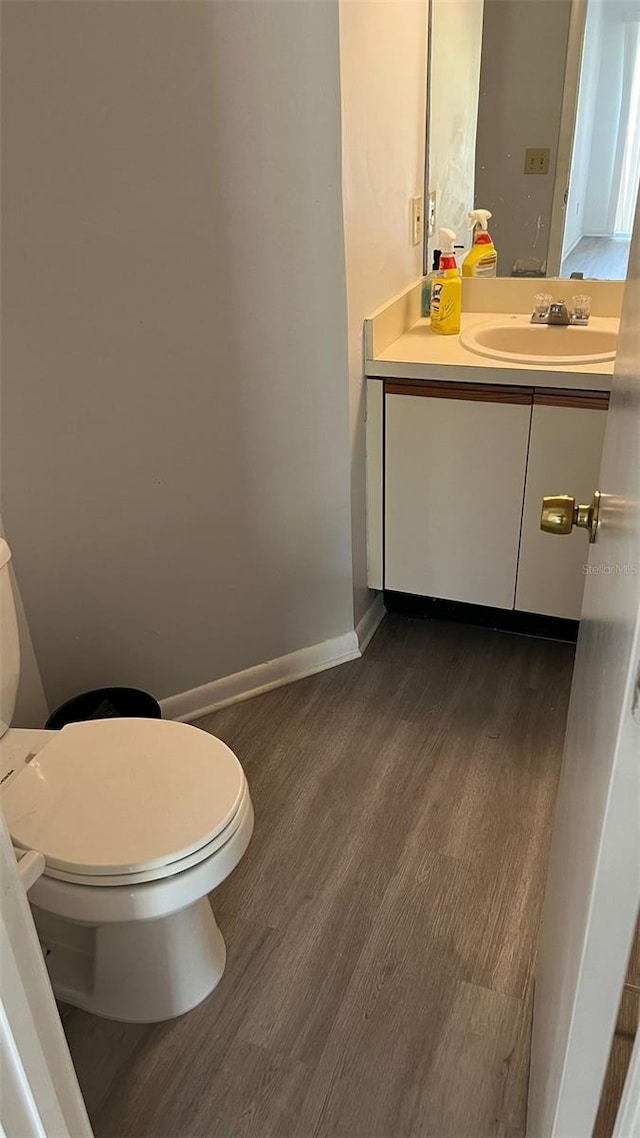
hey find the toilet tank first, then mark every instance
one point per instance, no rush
(9, 643)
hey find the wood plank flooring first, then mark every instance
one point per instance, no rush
(381, 927)
(605, 258)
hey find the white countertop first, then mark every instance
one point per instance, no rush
(422, 353)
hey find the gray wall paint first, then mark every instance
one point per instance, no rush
(176, 420)
(521, 84)
(31, 708)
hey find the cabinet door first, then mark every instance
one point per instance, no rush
(454, 483)
(564, 458)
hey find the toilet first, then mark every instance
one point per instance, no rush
(138, 821)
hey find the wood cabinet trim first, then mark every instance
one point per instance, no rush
(499, 393)
(567, 397)
(475, 392)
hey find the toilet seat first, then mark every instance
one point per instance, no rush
(149, 900)
(122, 801)
(160, 871)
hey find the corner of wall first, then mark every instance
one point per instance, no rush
(383, 149)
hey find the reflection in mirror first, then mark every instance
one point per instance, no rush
(534, 114)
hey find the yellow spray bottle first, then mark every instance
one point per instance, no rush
(446, 289)
(482, 258)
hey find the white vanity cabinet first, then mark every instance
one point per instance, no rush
(456, 482)
(455, 470)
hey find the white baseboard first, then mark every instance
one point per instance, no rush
(368, 623)
(199, 701)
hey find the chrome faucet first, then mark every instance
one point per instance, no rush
(550, 311)
(558, 313)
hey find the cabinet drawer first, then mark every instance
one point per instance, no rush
(455, 470)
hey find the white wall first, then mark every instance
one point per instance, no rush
(521, 86)
(176, 417)
(598, 139)
(456, 47)
(383, 75)
(583, 133)
(602, 182)
(598, 216)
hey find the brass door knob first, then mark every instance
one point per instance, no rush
(560, 513)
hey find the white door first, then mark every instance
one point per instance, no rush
(40, 1093)
(593, 889)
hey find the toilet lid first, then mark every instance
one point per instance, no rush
(117, 796)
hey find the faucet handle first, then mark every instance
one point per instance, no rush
(581, 306)
(542, 303)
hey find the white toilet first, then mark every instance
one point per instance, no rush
(138, 820)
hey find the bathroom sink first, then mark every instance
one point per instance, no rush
(516, 340)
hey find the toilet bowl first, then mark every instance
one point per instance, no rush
(138, 821)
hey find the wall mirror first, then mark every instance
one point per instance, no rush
(534, 113)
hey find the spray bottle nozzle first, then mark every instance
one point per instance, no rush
(479, 218)
(447, 238)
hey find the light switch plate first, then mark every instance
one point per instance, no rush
(537, 160)
(417, 219)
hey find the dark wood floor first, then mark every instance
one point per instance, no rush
(381, 927)
(605, 258)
